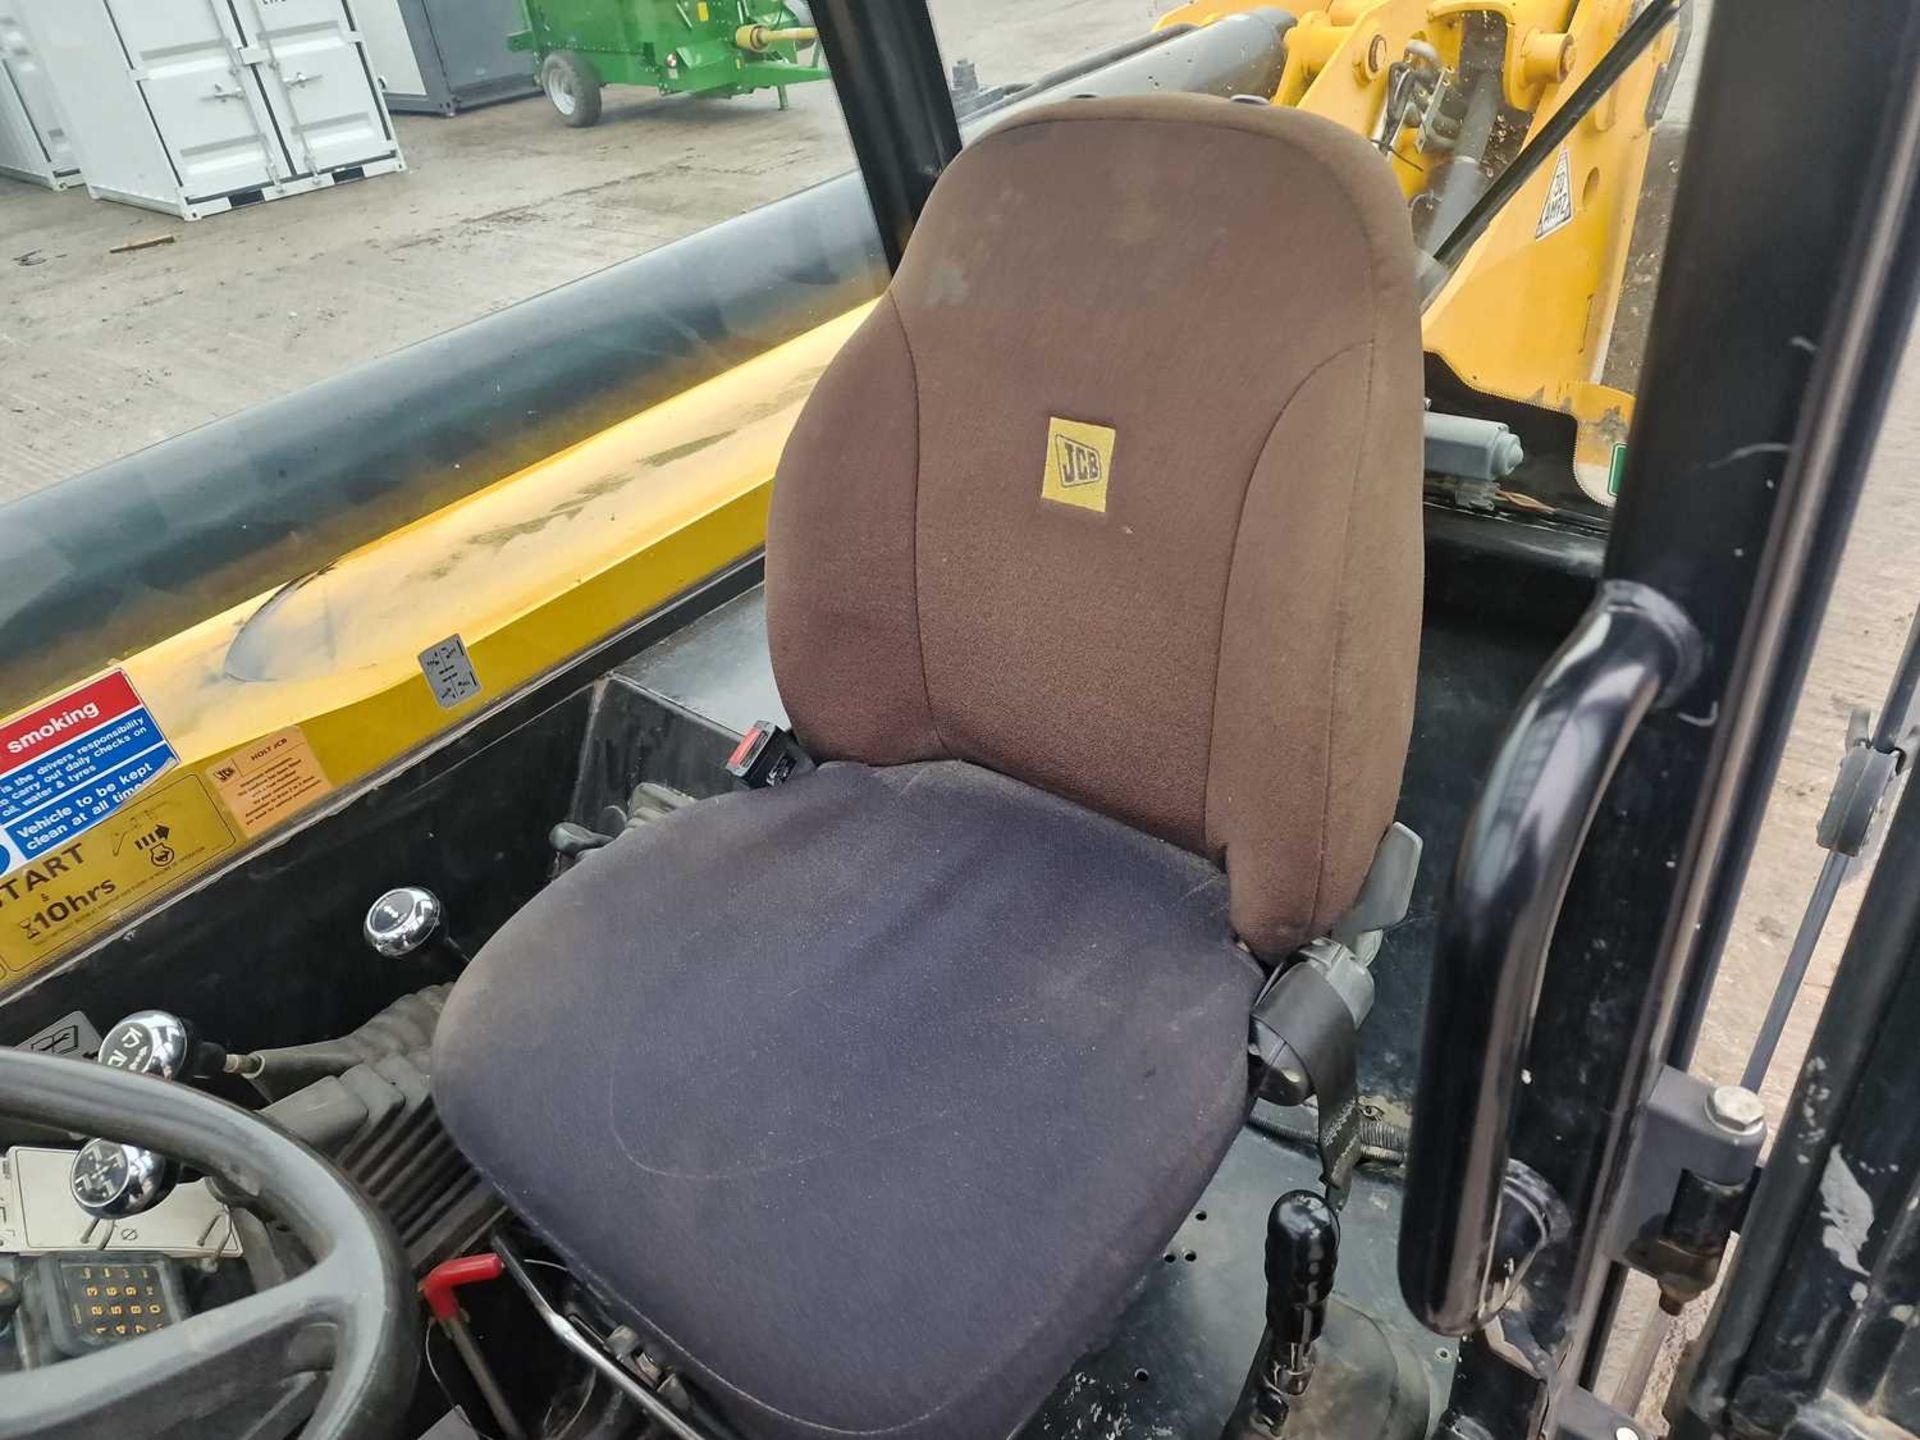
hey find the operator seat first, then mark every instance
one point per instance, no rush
(1094, 571)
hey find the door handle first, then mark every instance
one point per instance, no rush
(1633, 650)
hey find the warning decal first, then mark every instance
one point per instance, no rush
(162, 837)
(449, 671)
(270, 779)
(70, 763)
(1559, 207)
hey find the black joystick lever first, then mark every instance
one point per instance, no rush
(1303, 1246)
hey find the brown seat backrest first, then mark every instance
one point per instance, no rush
(1117, 491)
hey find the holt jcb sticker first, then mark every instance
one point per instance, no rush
(1079, 463)
(155, 841)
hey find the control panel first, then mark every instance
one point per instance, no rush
(38, 1214)
(92, 1301)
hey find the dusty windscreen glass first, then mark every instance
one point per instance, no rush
(311, 269)
(1542, 327)
(209, 209)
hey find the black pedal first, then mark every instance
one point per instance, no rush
(767, 755)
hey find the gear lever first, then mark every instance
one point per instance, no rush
(411, 921)
(1303, 1246)
(109, 1180)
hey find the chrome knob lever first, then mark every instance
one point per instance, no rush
(111, 1181)
(149, 1042)
(401, 921)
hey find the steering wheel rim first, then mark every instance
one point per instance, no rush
(352, 1312)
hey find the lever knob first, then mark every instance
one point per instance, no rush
(111, 1181)
(402, 920)
(148, 1042)
(1303, 1247)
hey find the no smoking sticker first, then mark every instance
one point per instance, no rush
(68, 764)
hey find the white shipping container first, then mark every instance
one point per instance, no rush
(33, 141)
(194, 108)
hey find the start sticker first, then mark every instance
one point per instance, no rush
(270, 779)
(161, 838)
(70, 763)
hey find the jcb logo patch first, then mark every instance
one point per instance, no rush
(1079, 463)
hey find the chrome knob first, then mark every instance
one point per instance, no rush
(111, 1181)
(401, 921)
(148, 1042)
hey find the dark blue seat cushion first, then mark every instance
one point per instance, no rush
(871, 1095)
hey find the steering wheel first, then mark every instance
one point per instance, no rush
(351, 1315)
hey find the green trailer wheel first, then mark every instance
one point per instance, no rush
(573, 86)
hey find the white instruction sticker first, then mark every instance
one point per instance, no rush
(71, 1034)
(449, 672)
(1559, 207)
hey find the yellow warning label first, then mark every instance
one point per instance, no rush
(1079, 463)
(269, 779)
(151, 844)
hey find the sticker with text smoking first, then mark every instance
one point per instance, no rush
(68, 764)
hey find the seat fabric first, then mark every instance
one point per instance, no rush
(868, 1094)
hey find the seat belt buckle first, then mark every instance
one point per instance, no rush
(767, 755)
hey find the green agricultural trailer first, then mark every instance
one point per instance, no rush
(703, 47)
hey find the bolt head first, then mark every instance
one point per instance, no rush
(1736, 1110)
(1625, 1432)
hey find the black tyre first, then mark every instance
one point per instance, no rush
(573, 87)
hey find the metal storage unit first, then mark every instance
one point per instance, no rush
(192, 108)
(33, 140)
(440, 56)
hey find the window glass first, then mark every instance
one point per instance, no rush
(207, 210)
(996, 43)
(125, 323)
(335, 332)
(1543, 323)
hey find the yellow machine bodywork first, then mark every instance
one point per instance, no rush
(1530, 311)
(288, 704)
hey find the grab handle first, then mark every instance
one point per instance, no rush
(1632, 651)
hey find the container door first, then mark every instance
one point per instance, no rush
(39, 120)
(472, 39)
(313, 71)
(210, 114)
